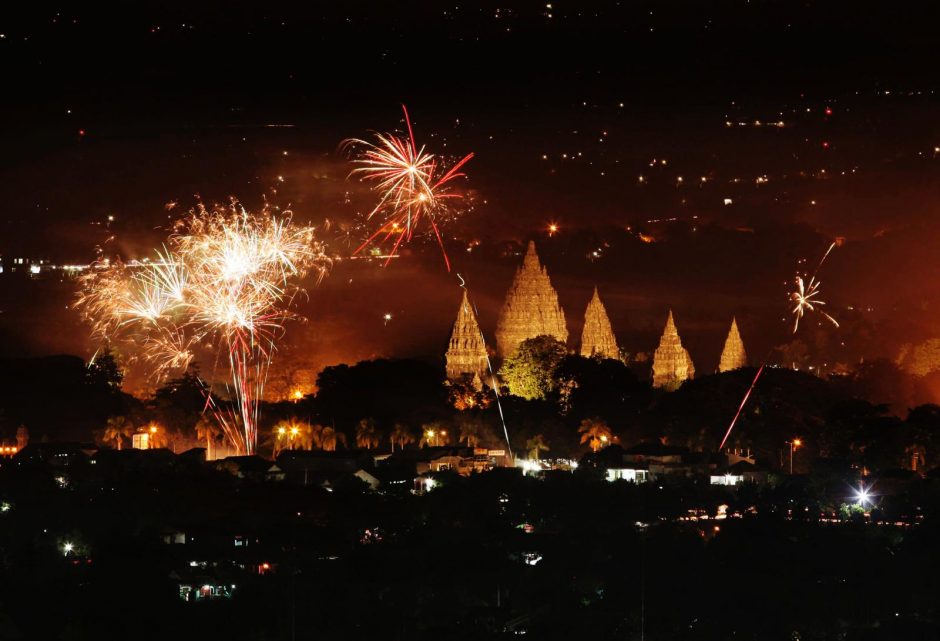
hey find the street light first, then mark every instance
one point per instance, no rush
(863, 495)
(294, 431)
(795, 444)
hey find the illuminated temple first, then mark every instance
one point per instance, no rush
(597, 338)
(466, 355)
(531, 308)
(733, 355)
(672, 365)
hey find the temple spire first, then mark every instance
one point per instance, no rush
(597, 338)
(672, 365)
(466, 354)
(733, 355)
(531, 308)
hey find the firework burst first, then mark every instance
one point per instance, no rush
(414, 187)
(225, 277)
(806, 297)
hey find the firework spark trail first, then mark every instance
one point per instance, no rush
(806, 299)
(224, 275)
(741, 407)
(413, 185)
(493, 382)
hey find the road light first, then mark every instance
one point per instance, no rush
(863, 496)
(67, 549)
(795, 444)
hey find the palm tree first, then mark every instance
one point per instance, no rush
(329, 438)
(401, 435)
(366, 435)
(535, 444)
(209, 430)
(470, 432)
(117, 429)
(596, 432)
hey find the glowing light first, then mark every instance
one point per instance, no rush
(67, 549)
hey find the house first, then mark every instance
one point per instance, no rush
(251, 467)
(317, 467)
(462, 460)
(637, 473)
(647, 462)
(55, 454)
(667, 460)
(202, 587)
(745, 470)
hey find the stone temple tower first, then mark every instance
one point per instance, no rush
(672, 365)
(466, 353)
(597, 339)
(733, 355)
(531, 308)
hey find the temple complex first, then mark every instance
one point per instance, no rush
(466, 355)
(672, 365)
(531, 308)
(597, 338)
(733, 355)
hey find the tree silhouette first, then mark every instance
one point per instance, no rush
(330, 438)
(117, 429)
(595, 432)
(208, 430)
(470, 433)
(535, 444)
(401, 436)
(366, 436)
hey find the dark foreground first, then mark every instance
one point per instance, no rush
(105, 552)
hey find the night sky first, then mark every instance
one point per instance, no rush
(741, 138)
